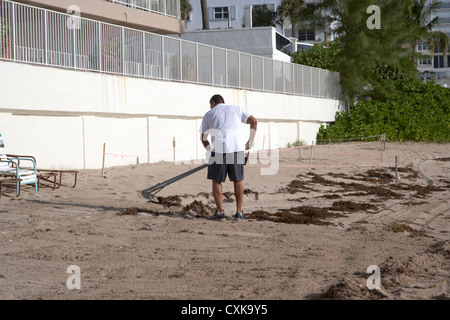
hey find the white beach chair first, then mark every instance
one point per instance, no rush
(11, 166)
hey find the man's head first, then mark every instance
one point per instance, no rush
(215, 100)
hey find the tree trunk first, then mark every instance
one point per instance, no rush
(205, 17)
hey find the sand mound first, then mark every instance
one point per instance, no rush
(418, 271)
(198, 208)
(350, 289)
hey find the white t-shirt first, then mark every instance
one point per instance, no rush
(223, 124)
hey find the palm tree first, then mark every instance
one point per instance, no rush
(262, 16)
(420, 15)
(292, 10)
(441, 40)
(186, 9)
(205, 17)
(363, 50)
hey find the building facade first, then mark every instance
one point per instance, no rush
(236, 14)
(436, 65)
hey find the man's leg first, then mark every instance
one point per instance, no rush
(217, 194)
(239, 194)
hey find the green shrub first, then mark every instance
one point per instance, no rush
(297, 143)
(418, 111)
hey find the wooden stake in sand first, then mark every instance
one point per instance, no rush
(396, 169)
(103, 163)
(310, 159)
(381, 148)
(173, 145)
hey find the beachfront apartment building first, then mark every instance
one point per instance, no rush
(236, 14)
(230, 25)
(436, 66)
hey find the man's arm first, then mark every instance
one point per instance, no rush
(204, 139)
(253, 127)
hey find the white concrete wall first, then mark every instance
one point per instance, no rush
(257, 41)
(63, 117)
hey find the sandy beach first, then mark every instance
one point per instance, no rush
(312, 229)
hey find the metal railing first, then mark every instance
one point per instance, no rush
(166, 7)
(40, 36)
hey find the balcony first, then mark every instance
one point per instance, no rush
(165, 7)
(158, 16)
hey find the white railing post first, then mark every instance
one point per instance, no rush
(262, 72)
(100, 63)
(239, 70)
(212, 66)
(180, 61)
(320, 92)
(251, 71)
(14, 30)
(46, 36)
(74, 43)
(143, 54)
(163, 73)
(226, 68)
(196, 62)
(122, 49)
(274, 89)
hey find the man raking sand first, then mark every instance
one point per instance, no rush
(225, 153)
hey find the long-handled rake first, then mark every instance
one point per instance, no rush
(150, 193)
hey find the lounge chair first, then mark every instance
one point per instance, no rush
(10, 167)
(47, 175)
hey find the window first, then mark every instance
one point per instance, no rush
(424, 61)
(423, 46)
(269, 6)
(306, 35)
(310, 4)
(438, 62)
(221, 13)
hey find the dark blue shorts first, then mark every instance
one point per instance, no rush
(223, 164)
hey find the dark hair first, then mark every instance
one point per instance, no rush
(217, 98)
